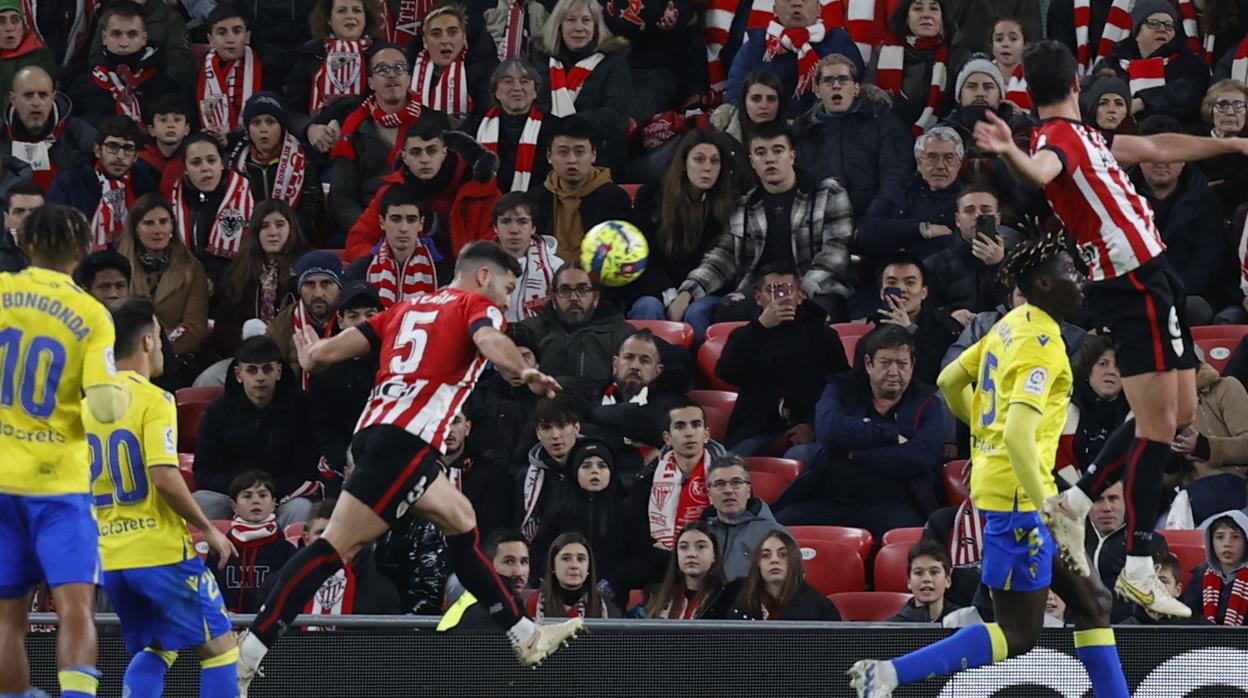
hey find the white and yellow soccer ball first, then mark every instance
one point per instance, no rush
(614, 252)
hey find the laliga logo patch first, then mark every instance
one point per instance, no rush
(1036, 380)
(171, 445)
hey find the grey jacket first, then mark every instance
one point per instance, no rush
(822, 224)
(740, 535)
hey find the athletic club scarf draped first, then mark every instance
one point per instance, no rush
(1191, 27)
(526, 152)
(248, 532)
(402, 27)
(340, 75)
(1016, 89)
(1236, 606)
(966, 540)
(292, 168)
(122, 82)
(536, 281)
(675, 501)
(230, 222)
(116, 198)
(223, 88)
(565, 85)
(370, 109)
(37, 154)
(1239, 64)
(397, 282)
(448, 93)
(780, 40)
(890, 73)
(1146, 73)
(1117, 27)
(512, 45)
(336, 597)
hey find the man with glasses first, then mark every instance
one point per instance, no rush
(515, 128)
(918, 217)
(740, 521)
(578, 334)
(105, 189)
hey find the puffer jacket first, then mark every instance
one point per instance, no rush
(1222, 417)
(740, 535)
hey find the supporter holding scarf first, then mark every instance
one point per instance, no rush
(919, 36)
(569, 588)
(677, 491)
(230, 73)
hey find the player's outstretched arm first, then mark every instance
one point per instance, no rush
(955, 385)
(1021, 423)
(1173, 147)
(499, 350)
(317, 354)
(172, 487)
(108, 402)
(1037, 170)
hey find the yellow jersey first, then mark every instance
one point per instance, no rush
(1022, 359)
(55, 340)
(138, 528)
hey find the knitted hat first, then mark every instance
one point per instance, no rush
(590, 447)
(260, 103)
(979, 63)
(1146, 8)
(14, 5)
(318, 262)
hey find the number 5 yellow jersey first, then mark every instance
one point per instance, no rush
(138, 528)
(1023, 360)
(55, 340)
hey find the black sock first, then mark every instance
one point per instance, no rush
(1142, 486)
(296, 583)
(478, 576)
(1106, 468)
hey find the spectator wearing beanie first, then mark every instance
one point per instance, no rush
(127, 70)
(1164, 76)
(275, 162)
(501, 406)
(1105, 102)
(515, 128)
(165, 28)
(318, 281)
(39, 130)
(20, 46)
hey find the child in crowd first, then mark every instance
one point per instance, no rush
(1170, 572)
(694, 585)
(569, 588)
(931, 576)
(1219, 588)
(776, 588)
(229, 76)
(168, 121)
(517, 233)
(262, 549)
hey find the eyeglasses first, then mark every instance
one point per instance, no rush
(1224, 107)
(385, 70)
(567, 291)
(937, 158)
(113, 148)
(830, 80)
(735, 483)
(1158, 25)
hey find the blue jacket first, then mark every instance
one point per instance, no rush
(80, 188)
(892, 220)
(784, 65)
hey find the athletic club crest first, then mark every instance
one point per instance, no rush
(660, 491)
(232, 223)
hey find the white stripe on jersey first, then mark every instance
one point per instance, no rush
(1117, 242)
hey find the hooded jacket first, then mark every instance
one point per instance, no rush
(579, 356)
(912, 612)
(1221, 417)
(740, 535)
(235, 435)
(30, 52)
(555, 485)
(1187, 78)
(72, 140)
(245, 580)
(1191, 224)
(1192, 595)
(867, 148)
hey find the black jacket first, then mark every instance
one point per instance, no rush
(311, 202)
(958, 280)
(80, 188)
(245, 580)
(1187, 78)
(1109, 556)
(484, 481)
(336, 397)
(234, 436)
(502, 420)
(1191, 224)
(412, 556)
(510, 128)
(787, 363)
(11, 258)
(605, 97)
(664, 272)
(868, 148)
(202, 208)
(808, 605)
(580, 357)
(70, 149)
(893, 218)
(652, 48)
(93, 103)
(1098, 418)
(911, 612)
(935, 332)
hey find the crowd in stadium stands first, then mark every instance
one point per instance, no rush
(747, 430)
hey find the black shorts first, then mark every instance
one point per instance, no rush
(393, 468)
(1146, 313)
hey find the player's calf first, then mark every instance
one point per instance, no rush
(145, 675)
(218, 676)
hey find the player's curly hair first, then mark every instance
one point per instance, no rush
(1030, 255)
(55, 234)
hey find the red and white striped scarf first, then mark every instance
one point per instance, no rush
(342, 74)
(122, 82)
(512, 45)
(335, 597)
(231, 220)
(292, 168)
(37, 154)
(248, 532)
(674, 499)
(681, 608)
(448, 93)
(116, 198)
(526, 152)
(1016, 89)
(966, 540)
(1146, 73)
(577, 610)
(1243, 254)
(565, 85)
(535, 284)
(221, 92)
(403, 27)
(1239, 64)
(1191, 27)
(397, 282)
(371, 109)
(780, 40)
(1236, 606)
(890, 71)
(1117, 27)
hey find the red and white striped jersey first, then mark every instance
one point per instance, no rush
(429, 363)
(1110, 221)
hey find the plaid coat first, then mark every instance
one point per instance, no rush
(822, 223)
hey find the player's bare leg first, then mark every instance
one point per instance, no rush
(1089, 604)
(75, 639)
(14, 670)
(452, 513)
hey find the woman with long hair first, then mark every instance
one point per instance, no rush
(165, 271)
(1097, 406)
(776, 588)
(762, 100)
(212, 205)
(258, 282)
(569, 587)
(682, 214)
(914, 64)
(694, 585)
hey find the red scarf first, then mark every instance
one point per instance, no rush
(397, 282)
(335, 597)
(122, 82)
(292, 168)
(1191, 27)
(221, 90)
(230, 223)
(247, 532)
(448, 93)
(37, 154)
(1117, 27)
(1016, 89)
(565, 85)
(780, 40)
(512, 45)
(1146, 73)
(402, 28)
(681, 609)
(1239, 64)
(535, 283)
(370, 109)
(116, 198)
(342, 74)
(526, 152)
(675, 501)
(1211, 593)
(537, 608)
(889, 74)
(966, 540)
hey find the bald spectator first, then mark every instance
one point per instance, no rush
(40, 131)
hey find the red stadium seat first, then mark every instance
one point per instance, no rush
(906, 536)
(851, 345)
(631, 189)
(832, 568)
(891, 570)
(852, 329)
(723, 399)
(676, 333)
(223, 525)
(1186, 536)
(721, 330)
(186, 466)
(955, 488)
(868, 606)
(191, 405)
(1190, 557)
(708, 356)
(294, 533)
(717, 422)
(768, 486)
(858, 539)
(784, 467)
(1217, 342)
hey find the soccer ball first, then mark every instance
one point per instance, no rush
(614, 253)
